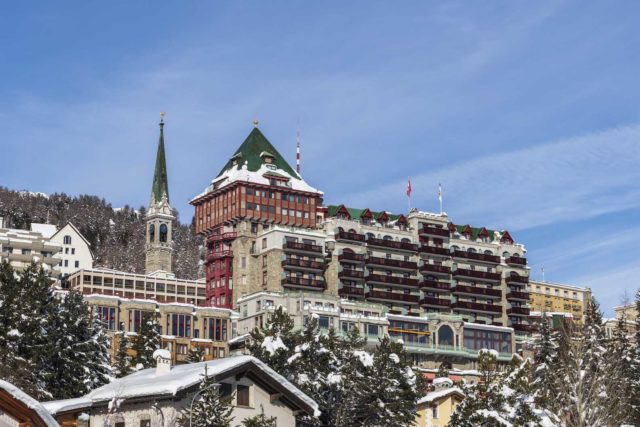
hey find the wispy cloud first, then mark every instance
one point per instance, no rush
(567, 180)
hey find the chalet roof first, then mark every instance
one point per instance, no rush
(357, 213)
(252, 150)
(181, 379)
(475, 232)
(20, 401)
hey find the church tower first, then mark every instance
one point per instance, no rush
(159, 243)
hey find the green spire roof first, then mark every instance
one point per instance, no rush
(160, 180)
(252, 150)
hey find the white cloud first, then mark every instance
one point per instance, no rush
(572, 179)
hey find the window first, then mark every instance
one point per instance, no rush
(243, 262)
(26, 251)
(152, 232)
(73, 251)
(66, 240)
(264, 261)
(323, 322)
(77, 264)
(66, 263)
(434, 412)
(264, 278)
(182, 349)
(144, 423)
(372, 330)
(108, 316)
(242, 395)
(164, 231)
(445, 335)
(264, 243)
(119, 424)
(181, 325)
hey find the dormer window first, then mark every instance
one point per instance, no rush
(269, 164)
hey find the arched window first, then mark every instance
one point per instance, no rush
(455, 248)
(445, 335)
(471, 250)
(387, 237)
(348, 250)
(516, 255)
(340, 229)
(505, 254)
(488, 252)
(351, 230)
(405, 240)
(67, 240)
(371, 236)
(163, 233)
(152, 232)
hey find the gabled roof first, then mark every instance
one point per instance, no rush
(476, 232)
(18, 404)
(437, 395)
(355, 213)
(70, 224)
(252, 150)
(182, 379)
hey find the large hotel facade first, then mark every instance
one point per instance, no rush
(266, 229)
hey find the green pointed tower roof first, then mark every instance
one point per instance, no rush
(252, 150)
(160, 180)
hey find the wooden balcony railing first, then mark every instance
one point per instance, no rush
(519, 295)
(440, 302)
(219, 254)
(349, 273)
(393, 296)
(517, 279)
(521, 328)
(516, 260)
(301, 282)
(303, 263)
(435, 285)
(351, 257)
(392, 244)
(392, 263)
(305, 247)
(434, 250)
(350, 291)
(391, 280)
(475, 274)
(518, 311)
(491, 259)
(432, 268)
(476, 306)
(475, 290)
(433, 231)
(223, 236)
(349, 236)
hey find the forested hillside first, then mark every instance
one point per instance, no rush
(117, 236)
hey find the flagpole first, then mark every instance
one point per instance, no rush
(440, 196)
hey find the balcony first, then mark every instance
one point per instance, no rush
(435, 302)
(475, 290)
(516, 260)
(474, 256)
(518, 311)
(223, 236)
(350, 291)
(349, 236)
(302, 247)
(302, 264)
(435, 250)
(519, 327)
(219, 254)
(475, 274)
(517, 295)
(476, 306)
(392, 263)
(435, 286)
(392, 244)
(434, 269)
(391, 280)
(434, 231)
(351, 257)
(351, 274)
(304, 283)
(517, 280)
(393, 296)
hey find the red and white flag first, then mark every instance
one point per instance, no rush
(409, 187)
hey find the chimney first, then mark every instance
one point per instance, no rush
(163, 361)
(1, 222)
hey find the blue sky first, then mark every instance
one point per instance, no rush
(527, 112)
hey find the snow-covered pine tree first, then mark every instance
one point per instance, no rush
(122, 363)
(275, 343)
(146, 341)
(210, 409)
(635, 376)
(392, 393)
(98, 364)
(260, 420)
(196, 354)
(543, 375)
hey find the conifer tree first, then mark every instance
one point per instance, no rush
(260, 420)
(122, 366)
(543, 376)
(146, 342)
(275, 343)
(196, 354)
(443, 372)
(210, 409)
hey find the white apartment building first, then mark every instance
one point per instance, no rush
(22, 247)
(75, 253)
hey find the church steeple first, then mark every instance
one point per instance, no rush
(159, 242)
(160, 186)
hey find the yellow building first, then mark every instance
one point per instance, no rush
(436, 407)
(558, 298)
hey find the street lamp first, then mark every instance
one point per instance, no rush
(215, 386)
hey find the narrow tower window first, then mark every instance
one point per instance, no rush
(152, 232)
(163, 233)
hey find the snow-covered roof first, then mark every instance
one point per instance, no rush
(487, 327)
(29, 402)
(439, 394)
(146, 383)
